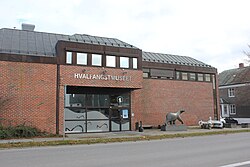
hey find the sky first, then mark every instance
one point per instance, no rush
(216, 32)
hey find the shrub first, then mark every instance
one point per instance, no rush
(20, 131)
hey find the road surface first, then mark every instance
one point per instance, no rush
(207, 151)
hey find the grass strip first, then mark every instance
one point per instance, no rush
(113, 140)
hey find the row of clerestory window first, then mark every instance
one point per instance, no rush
(177, 75)
(100, 60)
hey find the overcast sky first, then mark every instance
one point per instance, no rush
(215, 32)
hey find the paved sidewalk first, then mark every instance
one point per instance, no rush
(146, 132)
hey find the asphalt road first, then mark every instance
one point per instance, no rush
(206, 151)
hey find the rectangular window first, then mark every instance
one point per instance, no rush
(184, 76)
(231, 92)
(135, 63)
(213, 80)
(162, 73)
(200, 77)
(177, 75)
(192, 76)
(124, 62)
(225, 110)
(69, 57)
(145, 75)
(75, 100)
(96, 60)
(81, 58)
(207, 77)
(232, 109)
(110, 61)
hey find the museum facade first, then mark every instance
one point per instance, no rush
(81, 83)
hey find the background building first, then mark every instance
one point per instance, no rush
(234, 89)
(81, 83)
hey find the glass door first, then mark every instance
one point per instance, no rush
(120, 112)
(115, 119)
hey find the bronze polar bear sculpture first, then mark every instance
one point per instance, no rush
(172, 117)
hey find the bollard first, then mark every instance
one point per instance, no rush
(163, 127)
(140, 127)
(137, 126)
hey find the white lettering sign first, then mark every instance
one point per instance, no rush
(102, 77)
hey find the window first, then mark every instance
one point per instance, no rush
(225, 110)
(145, 75)
(110, 61)
(124, 62)
(177, 75)
(96, 60)
(207, 77)
(200, 77)
(135, 63)
(232, 109)
(160, 73)
(74, 100)
(69, 57)
(184, 76)
(213, 80)
(145, 72)
(97, 100)
(231, 92)
(192, 76)
(81, 58)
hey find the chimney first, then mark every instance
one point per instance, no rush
(241, 65)
(28, 27)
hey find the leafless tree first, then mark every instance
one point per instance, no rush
(247, 53)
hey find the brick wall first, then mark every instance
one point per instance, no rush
(136, 106)
(67, 77)
(31, 90)
(160, 97)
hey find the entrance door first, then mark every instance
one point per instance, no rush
(119, 112)
(119, 119)
(224, 110)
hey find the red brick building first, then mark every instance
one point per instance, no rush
(81, 83)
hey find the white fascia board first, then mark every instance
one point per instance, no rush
(234, 86)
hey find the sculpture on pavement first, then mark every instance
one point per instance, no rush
(172, 117)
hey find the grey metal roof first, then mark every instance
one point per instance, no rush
(172, 59)
(83, 38)
(234, 76)
(25, 42)
(14, 41)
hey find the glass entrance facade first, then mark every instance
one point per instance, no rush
(96, 110)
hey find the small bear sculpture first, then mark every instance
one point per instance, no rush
(172, 117)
